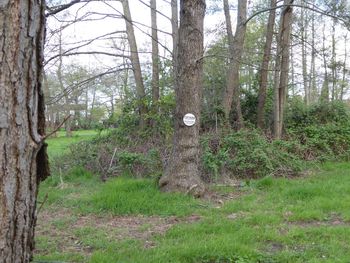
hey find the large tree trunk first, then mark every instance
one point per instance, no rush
(23, 159)
(282, 67)
(182, 171)
(155, 59)
(232, 91)
(135, 61)
(265, 66)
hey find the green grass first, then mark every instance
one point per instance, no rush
(274, 220)
(60, 144)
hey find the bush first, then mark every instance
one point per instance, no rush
(249, 154)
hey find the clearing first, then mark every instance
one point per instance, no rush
(128, 220)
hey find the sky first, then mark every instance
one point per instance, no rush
(96, 26)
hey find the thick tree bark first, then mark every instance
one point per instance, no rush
(155, 58)
(232, 91)
(282, 68)
(135, 61)
(265, 66)
(23, 159)
(182, 172)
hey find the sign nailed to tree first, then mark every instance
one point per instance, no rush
(189, 119)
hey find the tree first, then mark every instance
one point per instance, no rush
(182, 170)
(232, 92)
(264, 70)
(135, 61)
(23, 159)
(282, 67)
(155, 58)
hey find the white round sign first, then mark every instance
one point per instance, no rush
(189, 119)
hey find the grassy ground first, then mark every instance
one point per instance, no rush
(60, 144)
(128, 220)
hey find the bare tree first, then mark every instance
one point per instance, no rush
(23, 159)
(182, 172)
(135, 61)
(155, 57)
(174, 29)
(264, 70)
(232, 91)
(282, 67)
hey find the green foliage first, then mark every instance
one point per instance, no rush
(248, 154)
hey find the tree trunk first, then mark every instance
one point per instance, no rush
(23, 159)
(282, 67)
(135, 61)
(303, 29)
(325, 85)
(312, 84)
(265, 66)
(232, 91)
(182, 171)
(334, 66)
(155, 59)
(344, 83)
(175, 36)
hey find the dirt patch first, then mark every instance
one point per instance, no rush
(62, 228)
(333, 220)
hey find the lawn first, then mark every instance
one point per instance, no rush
(306, 219)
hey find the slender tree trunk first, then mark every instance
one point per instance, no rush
(312, 84)
(334, 66)
(344, 84)
(174, 29)
(155, 59)
(135, 61)
(325, 85)
(232, 91)
(182, 170)
(265, 66)
(282, 88)
(303, 33)
(23, 159)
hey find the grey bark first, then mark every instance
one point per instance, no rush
(282, 68)
(303, 32)
(182, 170)
(325, 85)
(265, 66)
(175, 29)
(232, 92)
(155, 58)
(23, 159)
(135, 61)
(312, 84)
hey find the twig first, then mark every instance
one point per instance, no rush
(112, 159)
(57, 128)
(43, 202)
